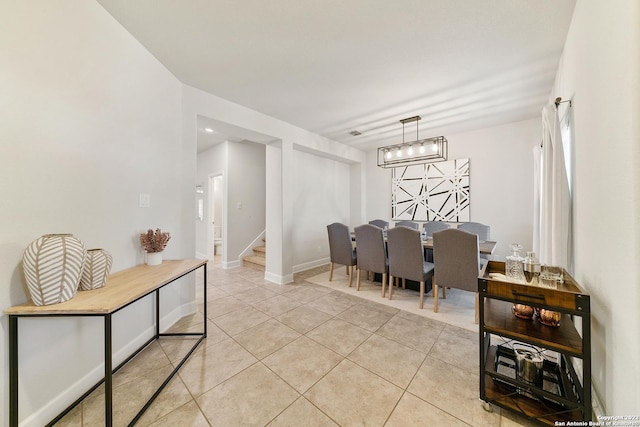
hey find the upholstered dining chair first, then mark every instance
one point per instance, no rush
(406, 259)
(372, 253)
(457, 263)
(411, 224)
(432, 226)
(380, 223)
(340, 248)
(483, 231)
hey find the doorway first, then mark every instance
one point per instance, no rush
(216, 210)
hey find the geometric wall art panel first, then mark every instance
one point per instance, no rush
(431, 192)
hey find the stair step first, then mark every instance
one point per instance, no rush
(260, 250)
(257, 260)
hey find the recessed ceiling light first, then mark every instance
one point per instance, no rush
(209, 130)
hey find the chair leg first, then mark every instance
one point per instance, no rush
(358, 280)
(444, 292)
(404, 283)
(391, 286)
(421, 294)
(350, 270)
(331, 272)
(384, 282)
(477, 303)
(435, 296)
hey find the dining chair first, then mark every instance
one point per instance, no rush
(406, 259)
(432, 226)
(411, 224)
(483, 231)
(340, 248)
(380, 223)
(372, 253)
(457, 263)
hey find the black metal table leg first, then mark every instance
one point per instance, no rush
(108, 373)
(13, 371)
(205, 299)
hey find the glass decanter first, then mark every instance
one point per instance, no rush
(513, 265)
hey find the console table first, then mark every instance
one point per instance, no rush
(122, 289)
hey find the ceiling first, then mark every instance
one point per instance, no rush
(335, 66)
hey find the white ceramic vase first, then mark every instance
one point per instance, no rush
(154, 258)
(52, 266)
(97, 267)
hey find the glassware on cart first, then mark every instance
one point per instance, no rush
(513, 264)
(531, 268)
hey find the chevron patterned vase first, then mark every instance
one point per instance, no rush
(97, 267)
(52, 266)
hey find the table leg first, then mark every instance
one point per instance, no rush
(108, 372)
(13, 371)
(205, 299)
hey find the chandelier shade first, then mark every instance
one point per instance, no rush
(413, 152)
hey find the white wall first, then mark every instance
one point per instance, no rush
(88, 120)
(321, 197)
(211, 161)
(245, 197)
(501, 183)
(600, 70)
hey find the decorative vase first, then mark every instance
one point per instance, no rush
(96, 270)
(52, 266)
(154, 258)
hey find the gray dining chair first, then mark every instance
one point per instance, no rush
(483, 231)
(380, 223)
(432, 226)
(372, 253)
(340, 248)
(406, 259)
(457, 263)
(410, 224)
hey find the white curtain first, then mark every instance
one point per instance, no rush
(552, 227)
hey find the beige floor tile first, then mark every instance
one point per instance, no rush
(453, 390)
(177, 347)
(148, 360)
(240, 320)
(414, 331)
(222, 306)
(213, 293)
(332, 303)
(457, 347)
(277, 305)
(351, 395)
(238, 286)
(365, 316)
(265, 338)
(189, 323)
(412, 411)
(130, 397)
(210, 366)
(304, 318)
(254, 397)
(394, 362)
(302, 413)
(306, 294)
(302, 363)
(188, 415)
(378, 306)
(255, 295)
(339, 335)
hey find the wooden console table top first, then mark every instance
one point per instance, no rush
(122, 288)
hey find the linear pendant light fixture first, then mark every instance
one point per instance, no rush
(414, 152)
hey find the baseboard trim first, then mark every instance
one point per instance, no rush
(231, 264)
(277, 279)
(311, 264)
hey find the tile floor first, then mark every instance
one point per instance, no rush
(302, 355)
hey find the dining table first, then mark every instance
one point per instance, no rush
(486, 247)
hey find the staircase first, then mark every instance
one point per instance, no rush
(259, 258)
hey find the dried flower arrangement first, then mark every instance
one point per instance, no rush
(154, 241)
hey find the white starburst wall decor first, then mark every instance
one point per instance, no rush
(431, 192)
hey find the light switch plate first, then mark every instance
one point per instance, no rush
(145, 200)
